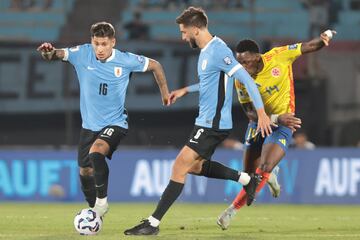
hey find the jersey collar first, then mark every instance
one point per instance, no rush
(111, 57)
(208, 44)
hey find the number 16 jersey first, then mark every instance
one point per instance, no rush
(103, 84)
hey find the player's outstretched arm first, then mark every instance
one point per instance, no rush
(160, 78)
(48, 52)
(318, 43)
(174, 95)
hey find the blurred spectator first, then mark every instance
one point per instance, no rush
(25, 5)
(300, 141)
(48, 4)
(136, 28)
(22, 5)
(334, 9)
(318, 16)
(180, 4)
(355, 5)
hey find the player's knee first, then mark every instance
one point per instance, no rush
(99, 146)
(196, 168)
(87, 171)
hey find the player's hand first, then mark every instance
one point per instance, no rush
(264, 123)
(165, 99)
(327, 36)
(45, 47)
(47, 50)
(174, 95)
(289, 120)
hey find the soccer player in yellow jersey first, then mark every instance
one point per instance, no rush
(272, 72)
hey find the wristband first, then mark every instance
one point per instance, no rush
(329, 33)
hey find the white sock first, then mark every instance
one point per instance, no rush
(244, 178)
(101, 201)
(153, 221)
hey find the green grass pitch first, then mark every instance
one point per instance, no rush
(42, 221)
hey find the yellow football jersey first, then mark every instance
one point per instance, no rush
(275, 81)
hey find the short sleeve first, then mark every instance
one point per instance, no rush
(226, 61)
(73, 54)
(137, 63)
(289, 52)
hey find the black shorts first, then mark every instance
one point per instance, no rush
(110, 134)
(205, 140)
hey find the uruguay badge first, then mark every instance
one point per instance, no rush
(117, 71)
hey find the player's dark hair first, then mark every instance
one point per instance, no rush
(193, 16)
(102, 29)
(247, 45)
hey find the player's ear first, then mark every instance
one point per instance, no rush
(196, 31)
(113, 42)
(238, 56)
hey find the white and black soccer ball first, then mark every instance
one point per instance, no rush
(88, 222)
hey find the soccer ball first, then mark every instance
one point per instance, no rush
(88, 222)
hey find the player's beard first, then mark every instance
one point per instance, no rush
(192, 43)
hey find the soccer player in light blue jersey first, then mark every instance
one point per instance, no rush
(103, 74)
(216, 69)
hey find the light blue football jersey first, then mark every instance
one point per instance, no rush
(216, 69)
(215, 86)
(103, 84)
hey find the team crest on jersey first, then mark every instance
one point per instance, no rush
(117, 71)
(204, 63)
(275, 72)
(227, 60)
(293, 46)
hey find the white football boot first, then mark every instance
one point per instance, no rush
(273, 183)
(101, 207)
(225, 217)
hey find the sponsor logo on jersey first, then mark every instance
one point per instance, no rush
(141, 59)
(227, 60)
(117, 71)
(293, 46)
(275, 72)
(204, 63)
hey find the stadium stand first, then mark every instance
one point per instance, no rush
(35, 22)
(264, 19)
